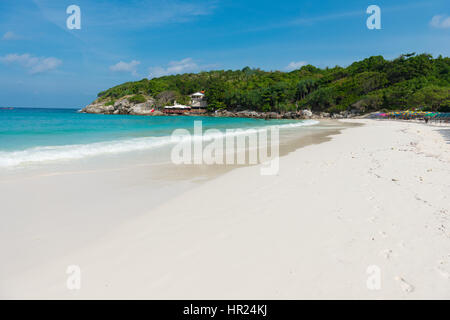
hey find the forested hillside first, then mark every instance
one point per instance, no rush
(410, 81)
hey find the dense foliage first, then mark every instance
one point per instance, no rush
(137, 98)
(410, 81)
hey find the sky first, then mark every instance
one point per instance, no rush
(43, 63)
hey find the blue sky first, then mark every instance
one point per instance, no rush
(44, 64)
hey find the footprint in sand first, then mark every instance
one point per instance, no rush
(386, 253)
(405, 286)
(375, 209)
(383, 234)
(443, 273)
(442, 269)
(372, 219)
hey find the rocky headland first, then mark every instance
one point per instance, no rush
(124, 106)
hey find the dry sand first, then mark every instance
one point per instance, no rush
(375, 196)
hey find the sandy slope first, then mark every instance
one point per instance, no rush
(376, 195)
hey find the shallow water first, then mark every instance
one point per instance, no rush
(30, 136)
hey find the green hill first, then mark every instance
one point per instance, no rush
(410, 81)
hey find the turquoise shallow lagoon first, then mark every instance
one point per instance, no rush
(37, 135)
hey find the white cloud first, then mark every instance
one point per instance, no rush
(440, 21)
(126, 67)
(295, 65)
(10, 36)
(174, 67)
(33, 64)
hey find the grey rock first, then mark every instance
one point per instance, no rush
(122, 106)
(307, 113)
(141, 108)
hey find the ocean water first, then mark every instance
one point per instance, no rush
(35, 135)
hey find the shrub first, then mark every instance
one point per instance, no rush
(138, 98)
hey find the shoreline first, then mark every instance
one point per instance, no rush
(146, 149)
(365, 197)
(120, 136)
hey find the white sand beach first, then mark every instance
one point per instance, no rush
(375, 195)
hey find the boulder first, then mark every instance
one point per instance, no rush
(307, 113)
(98, 108)
(157, 113)
(122, 106)
(122, 103)
(225, 113)
(248, 114)
(272, 115)
(141, 108)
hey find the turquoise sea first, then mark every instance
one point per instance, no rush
(30, 135)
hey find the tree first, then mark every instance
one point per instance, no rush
(434, 97)
(305, 87)
(321, 99)
(215, 95)
(165, 98)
